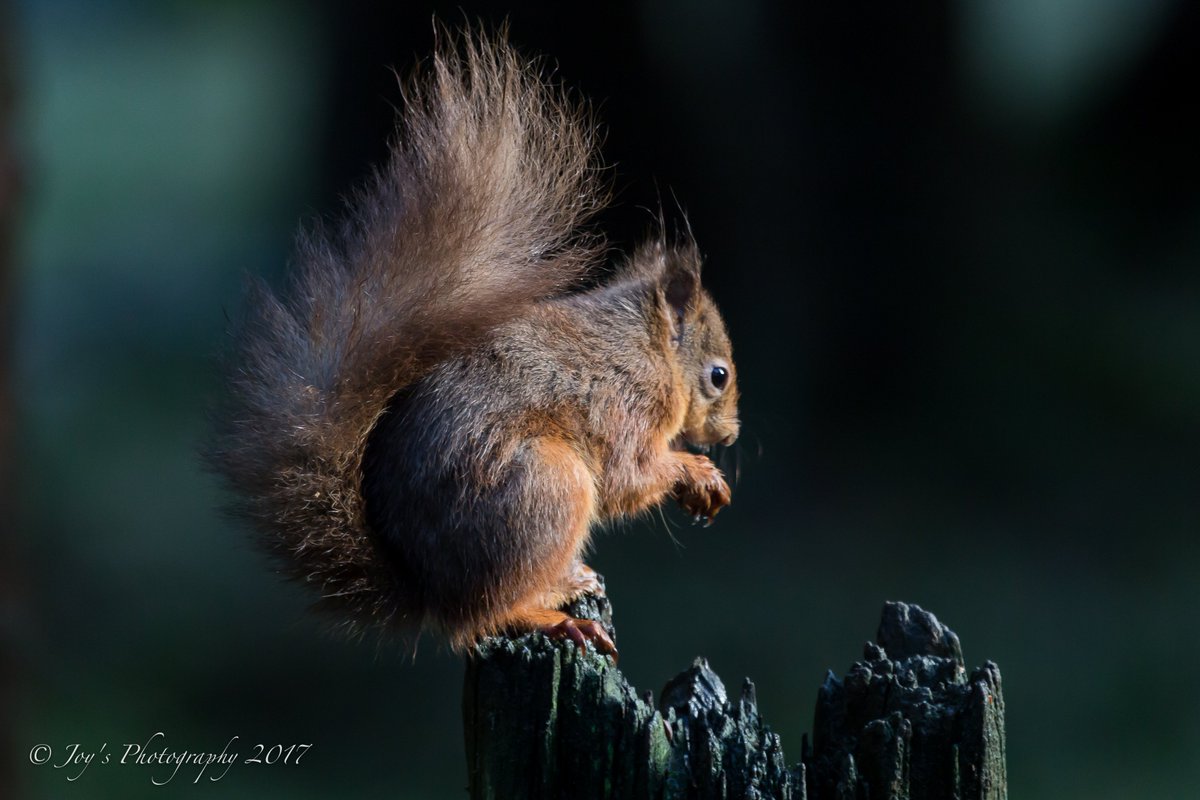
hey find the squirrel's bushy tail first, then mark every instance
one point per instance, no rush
(478, 214)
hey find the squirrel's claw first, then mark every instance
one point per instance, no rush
(581, 631)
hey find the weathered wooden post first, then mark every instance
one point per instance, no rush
(544, 721)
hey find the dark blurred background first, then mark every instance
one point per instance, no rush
(957, 244)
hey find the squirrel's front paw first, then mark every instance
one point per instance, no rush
(703, 491)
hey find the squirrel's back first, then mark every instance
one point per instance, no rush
(478, 215)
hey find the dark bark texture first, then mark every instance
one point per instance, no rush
(544, 721)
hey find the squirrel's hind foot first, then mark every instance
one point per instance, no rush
(580, 631)
(559, 626)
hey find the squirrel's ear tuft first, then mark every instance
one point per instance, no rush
(679, 284)
(672, 273)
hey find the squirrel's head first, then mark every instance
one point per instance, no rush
(697, 341)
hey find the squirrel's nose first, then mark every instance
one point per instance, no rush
(728, 440)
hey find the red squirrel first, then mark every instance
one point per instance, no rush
(429, 421)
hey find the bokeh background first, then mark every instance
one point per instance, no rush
(957, 244)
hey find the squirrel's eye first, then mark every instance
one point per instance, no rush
(719, 377)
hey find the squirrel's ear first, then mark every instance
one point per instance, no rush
(679, 286)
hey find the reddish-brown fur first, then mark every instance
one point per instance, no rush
(430, 422)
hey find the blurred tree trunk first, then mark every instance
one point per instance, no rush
(545, 721)
(9, 186)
